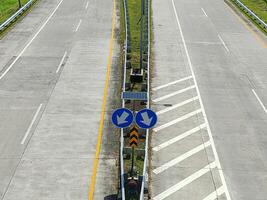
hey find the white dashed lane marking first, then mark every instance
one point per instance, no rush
(177, 120)
(223, 43)
(61, 62)
(31, 124)
(204, 12)
(177, 105)
(78, 25)
(259, 100)
(185, 182)
(214, 195)
(179, 137)
(173, 94)
(30, 42)
(171, 83)
(181, 158)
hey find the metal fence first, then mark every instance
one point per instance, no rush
(145, 172)
(123, 101)
(251, 14)
(17, 14)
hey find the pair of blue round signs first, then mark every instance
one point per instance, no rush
(144, 118)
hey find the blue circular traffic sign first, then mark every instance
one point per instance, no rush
(146, 118)
(122, 117)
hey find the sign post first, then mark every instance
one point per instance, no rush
(19, 3)
(144, 119)
(133, 143)
(134, 137)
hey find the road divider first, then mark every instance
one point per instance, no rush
(135, 96)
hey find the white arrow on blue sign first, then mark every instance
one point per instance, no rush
(122, 117)
(146, 118)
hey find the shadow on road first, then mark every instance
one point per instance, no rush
(111, 197)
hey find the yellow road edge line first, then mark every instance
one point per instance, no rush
(104, 101)
(261, 41)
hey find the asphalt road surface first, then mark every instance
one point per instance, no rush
(53, 72)
(210, 91)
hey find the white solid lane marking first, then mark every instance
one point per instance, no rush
(172, 83)
(31, 124)
(223, 43)
(185, 182)
(177, 120)
(87, 4)
(173, 94)
(29, 43)
(204, 12)
(78, 26)
(177, 105)
(178, 138)
(214, 195)
(61, 62)
(179, 159)
(259, 100)
(202, 106)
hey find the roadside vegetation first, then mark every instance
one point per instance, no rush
(134, 7)
(136, 69)
(8, 8)
(259, 7)
(122, 23)
(134, 17)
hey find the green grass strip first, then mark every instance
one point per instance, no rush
(259, 7)
(134, 7)
(8, 8)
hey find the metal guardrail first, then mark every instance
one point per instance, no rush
(14, 16)
(145, 177)
(123, 103)
(127, 38)
(251, 14)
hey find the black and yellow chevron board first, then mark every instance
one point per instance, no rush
(134, 137)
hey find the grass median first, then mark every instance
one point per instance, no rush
(259, 7)
(8, 8)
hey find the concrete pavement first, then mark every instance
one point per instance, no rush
(52, 85)
(228, 62)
